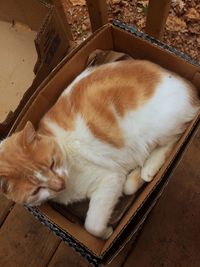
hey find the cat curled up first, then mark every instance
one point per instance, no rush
(108, 133)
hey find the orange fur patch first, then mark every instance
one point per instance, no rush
(109, 91)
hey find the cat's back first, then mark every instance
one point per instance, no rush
(122, 97)
(98, 91)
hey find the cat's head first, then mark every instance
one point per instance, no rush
(31, 167)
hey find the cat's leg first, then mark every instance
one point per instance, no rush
(155, 161)
(102, 203)
(133, 182)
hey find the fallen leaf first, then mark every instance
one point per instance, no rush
(194, 28)
(143, 2)
(176, 24)
(178, 3)
(114, 2)
(198, 42)
(78, 2)
(192, 14)
(141, 23)
(142, 8)
(178, 7)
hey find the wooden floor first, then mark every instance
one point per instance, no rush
(169, 238)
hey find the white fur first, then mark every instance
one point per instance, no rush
(98, 170)
(61, 172)
(83, 74)
(155, 161)
(40, 177)
(43, 194)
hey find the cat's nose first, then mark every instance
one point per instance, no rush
(62, 185)
(57, 184)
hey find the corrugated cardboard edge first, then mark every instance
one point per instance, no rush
(80, 248)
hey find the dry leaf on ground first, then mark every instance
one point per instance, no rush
(77, 2)
(182, 30)
(192, 14)
(176, 24)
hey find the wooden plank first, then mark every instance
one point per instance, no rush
(120, 259)
(63, 18)
(98, 13)
(5, 207)
(171, 236)
(24, 241)
(156, 17)
(67, 257)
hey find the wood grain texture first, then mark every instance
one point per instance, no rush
(24, 241)
(67, 257)
(120, 259)
(98, 13)
(171, 236)
(58, 4)
(156, 17)
(5, 207)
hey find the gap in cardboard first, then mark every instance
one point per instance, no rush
(18, 56)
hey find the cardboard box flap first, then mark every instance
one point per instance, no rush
(51, 45)
(52, 87)
(27, 12)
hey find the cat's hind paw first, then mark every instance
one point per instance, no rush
(148, 172)
(133, 182)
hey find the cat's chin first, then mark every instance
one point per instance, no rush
(36, 204)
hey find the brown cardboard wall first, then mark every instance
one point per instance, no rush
(29, 12)
(18, 56)
(137, 48)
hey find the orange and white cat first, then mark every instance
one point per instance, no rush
(112, 119)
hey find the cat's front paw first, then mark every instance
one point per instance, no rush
(148, 173)
(99, 231)
(133, 182)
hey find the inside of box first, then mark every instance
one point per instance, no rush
(106, 39)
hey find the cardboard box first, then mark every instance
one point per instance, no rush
(32, 32)
(109, 37)
(138, 45)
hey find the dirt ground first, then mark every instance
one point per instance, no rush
(182, 29)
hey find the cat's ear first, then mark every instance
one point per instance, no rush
(3, 184)
(29, 134)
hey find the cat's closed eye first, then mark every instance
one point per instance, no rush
(52, 164)
(36, 191)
